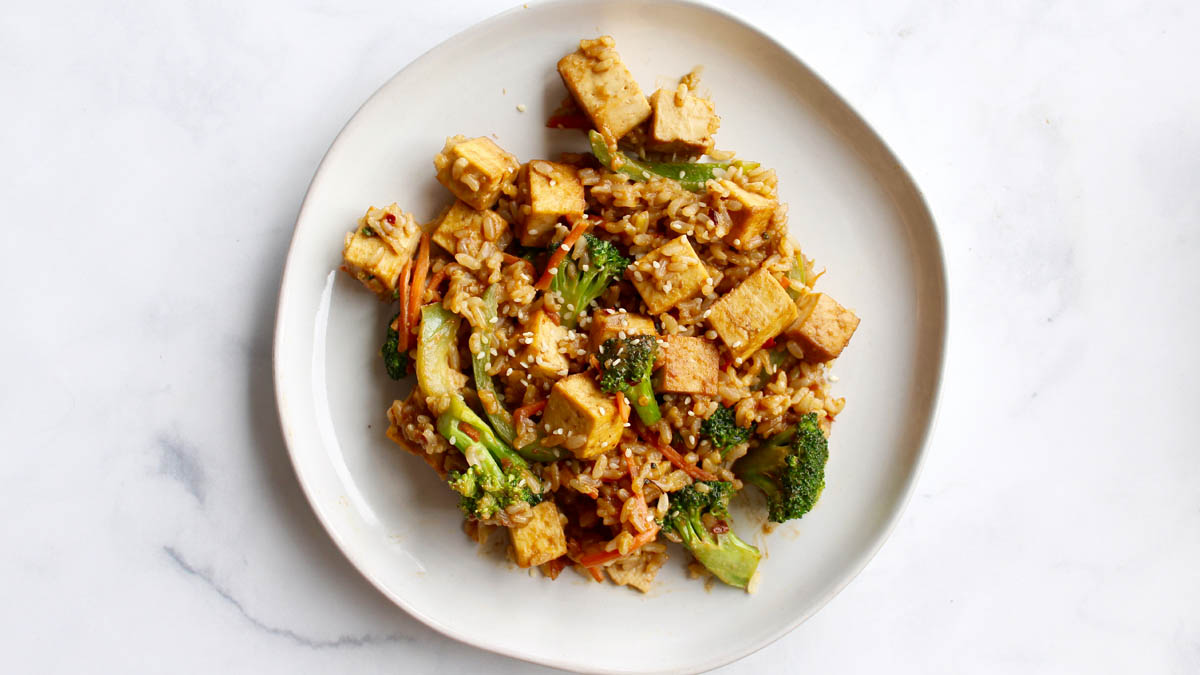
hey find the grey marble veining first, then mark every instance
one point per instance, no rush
(155, 157)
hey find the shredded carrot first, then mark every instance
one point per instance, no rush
(418, 282)
(622, 408)
(402, 324)
(436, 280)
(513, 260)
(602, 557)
(526, 411)
(596, 574)
(561, 252)
(468, 430)
(675, 458)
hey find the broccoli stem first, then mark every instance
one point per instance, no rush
(648, 413)
(730, 559)
(475, 451)
(691, 175)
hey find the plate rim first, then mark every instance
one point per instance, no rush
(942, 289)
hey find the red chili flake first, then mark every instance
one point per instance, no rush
(769, 343)
(390, 218)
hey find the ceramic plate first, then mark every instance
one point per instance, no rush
(853, 208)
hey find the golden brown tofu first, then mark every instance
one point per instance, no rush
(823, 327)
(683, 123)
(604, 88)
(751, 214)
(689, 365)
(669, 274)
(462, 228)
(546, 191)
(541, 539)
(608, 323)
(475, 169)
(376, 252)
(542, 341)
(582, 417)
(755, 311)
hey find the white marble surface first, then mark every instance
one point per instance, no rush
(155, 155)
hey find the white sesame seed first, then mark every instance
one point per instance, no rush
(453, 441)
(520, 107)
(833, 378)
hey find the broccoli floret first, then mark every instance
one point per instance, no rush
(722, 429)
(394, 360)
(497, 476)
(790, 468)
(625, 365)
(699, 517)
(579, 282)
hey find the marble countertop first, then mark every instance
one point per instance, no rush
(156, 157)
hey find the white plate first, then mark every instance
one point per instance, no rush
(853, 208)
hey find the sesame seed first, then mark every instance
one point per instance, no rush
(520, 107)
(452, 441)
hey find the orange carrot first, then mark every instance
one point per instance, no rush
(622, 408)
(468, 430)
(436, 280)
(402, 320)
(561, 252)
(673, 455)
(512, 260)
(526, 411)
(596, 574)
(602, 557)
(418, 282)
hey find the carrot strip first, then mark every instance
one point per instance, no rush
(602, 557)
(526, 411)
(561, 252)
(596, 574)
(418, 282)
(675, 458)
(623, 409)
(436, 280)
(468, 430)
(512, 260)
(402, 320)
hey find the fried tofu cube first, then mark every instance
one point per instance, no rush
(462, 228)
(546, 191)
(582, 417)
(608, 323)
(685, 275)
(688, 365)
(683, 123)
(475, 169)
(604, 88)
(751, 215)
(823, 328)
(544, 336)
(755, 311)
(376, 252)
(541, 539)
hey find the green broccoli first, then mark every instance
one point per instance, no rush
(394, 360)
(722, 430)
(579, 282)
(699, 517)
(625, 365)
(790, 468)
(497, 476)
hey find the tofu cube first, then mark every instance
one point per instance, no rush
(823, 327)
(541, 539)
(546, 191)
(689, 365)
(682, 123)
(607, 323)
(586, 416)
(375, 253)
(751, 214)
(475, 170)
(462, 228)
(604, 88)
(755, 311)
(542, 351)
(685, 276)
